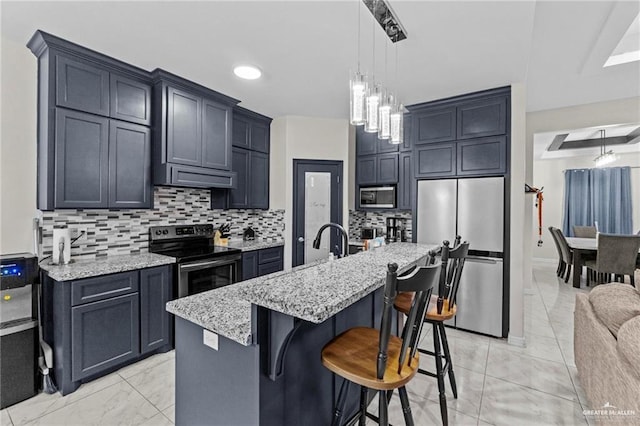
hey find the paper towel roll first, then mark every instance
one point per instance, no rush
(61, 245)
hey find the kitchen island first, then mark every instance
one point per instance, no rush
(249, 353)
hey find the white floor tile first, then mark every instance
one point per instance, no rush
(536, 346)
(157, 384)
(145, 364)
(5, 419)
(470, 353)
(158, 420)
(170, 413)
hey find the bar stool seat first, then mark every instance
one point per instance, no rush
(353, 355)
(404, 301)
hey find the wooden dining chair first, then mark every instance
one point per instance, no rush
(567, 254)
(374, 359)
(584, 231)
(617, 254)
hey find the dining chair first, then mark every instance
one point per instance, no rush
(561, 264)
(584, 231)
(567, 254)
(617, 254)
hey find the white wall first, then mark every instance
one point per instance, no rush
(295, 137)
(548, 173)
(17, 147)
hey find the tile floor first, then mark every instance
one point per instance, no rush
(498, 383)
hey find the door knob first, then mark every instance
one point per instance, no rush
(301, 239)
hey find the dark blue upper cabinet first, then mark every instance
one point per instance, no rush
(432, 126)
(387, 169)
(239, 196)
(366, 170)
(81, 86)
(130, 100)
(259, 188)
(485, 117)
(129, 165)
(483, 156)
(260, 137)
(366, 143)
(81, 160)
(184, 127)
(407, 129)
(385, 146)
(216, 134)
(435, 160)
(241, 132)
(405, 181)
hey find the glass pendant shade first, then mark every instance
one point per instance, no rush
(357, 97)
(384, 111)
(396, 125)
(373, 103)
(604, 159)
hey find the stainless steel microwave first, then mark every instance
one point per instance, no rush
(380, 197)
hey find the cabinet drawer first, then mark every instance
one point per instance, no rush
(269, 268)
(103, 287)
(273, 254)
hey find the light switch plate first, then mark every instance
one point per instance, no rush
(210, 339)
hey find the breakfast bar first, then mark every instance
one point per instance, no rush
(249, 353)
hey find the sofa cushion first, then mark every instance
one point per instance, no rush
(615, 304)
(629, 343)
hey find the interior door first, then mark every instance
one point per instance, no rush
(317, 200)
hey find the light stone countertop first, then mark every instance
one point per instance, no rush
(106, 265)
(256, 244)
(312, 292)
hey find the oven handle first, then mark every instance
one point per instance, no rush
(202, 265)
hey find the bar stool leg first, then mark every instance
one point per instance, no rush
(406, 409)
(342, 399)
(383, 415)
(364, 397)
(440, 376)
(447, 358)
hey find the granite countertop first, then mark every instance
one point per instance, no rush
(312, 292)
(106, 265)
(256, 244)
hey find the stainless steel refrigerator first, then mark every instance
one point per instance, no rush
(474, 209)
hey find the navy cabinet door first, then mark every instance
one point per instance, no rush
(387, 170)
(437, 125)
(385, 146)
(405, 181)
(486, 117)
(216, 136)
(81, 151)
(155, 292)
(184, 129)
(104, 334)
(129, 165)
(130, 100)
(436, 160)
(484, 156)
(269, 268)
(81, 86)
(259, 181)
(239, 196)
(260, 137)
(249, 265)
(241, 132)
(366, 143)
(407, 131)
(366, 167)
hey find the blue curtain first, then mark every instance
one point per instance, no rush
(598, 195)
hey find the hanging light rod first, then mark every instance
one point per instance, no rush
(387, 19)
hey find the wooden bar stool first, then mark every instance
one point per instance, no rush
(442, 308)
(374, 359)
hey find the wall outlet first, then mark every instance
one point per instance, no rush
(210, 339)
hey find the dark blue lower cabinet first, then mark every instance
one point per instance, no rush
(155, 324)
(249, 265)
(269, 268)
(104, 334)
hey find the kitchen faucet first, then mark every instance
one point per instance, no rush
(345, 237)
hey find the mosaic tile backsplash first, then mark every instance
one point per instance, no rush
(375, 219)
(111, 232)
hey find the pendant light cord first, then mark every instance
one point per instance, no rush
(373, 34)
(358, 9)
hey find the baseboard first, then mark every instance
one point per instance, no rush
(517, 341)
(544, 260)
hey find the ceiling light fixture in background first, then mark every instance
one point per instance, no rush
(247, 72)
(605, 157)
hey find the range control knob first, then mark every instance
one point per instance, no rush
(165, 231)
(158, 232)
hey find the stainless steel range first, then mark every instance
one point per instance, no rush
(202, 265)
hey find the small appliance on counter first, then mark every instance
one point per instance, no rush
(18, 328)
(370, 233)
(61, 254)
(396, 229)
(248, 234)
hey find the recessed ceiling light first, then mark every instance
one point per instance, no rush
(248, 72)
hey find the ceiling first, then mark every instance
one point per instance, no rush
(307, 48)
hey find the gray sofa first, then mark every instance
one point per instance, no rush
(607, 352)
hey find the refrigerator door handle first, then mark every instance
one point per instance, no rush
(480, 259)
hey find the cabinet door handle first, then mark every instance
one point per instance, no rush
(301, 239)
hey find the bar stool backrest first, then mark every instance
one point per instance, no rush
(421, 280)
(584, 231)
(617, 254)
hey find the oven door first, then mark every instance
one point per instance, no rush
(203, 275)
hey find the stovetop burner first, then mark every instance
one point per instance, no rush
(186, 242)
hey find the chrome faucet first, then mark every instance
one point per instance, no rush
(345, 237)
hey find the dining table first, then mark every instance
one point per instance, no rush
(581, 247)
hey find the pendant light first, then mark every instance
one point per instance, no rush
(357, 89)
(605, 157)
(373, 93)
(396, 118)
